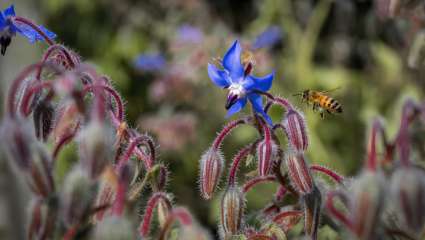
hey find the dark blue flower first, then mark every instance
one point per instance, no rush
(9, 26)
(242, 86)
(271, 36)
(150, 62)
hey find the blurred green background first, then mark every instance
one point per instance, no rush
(323, 45)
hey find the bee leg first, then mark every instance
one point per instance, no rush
(322, 115)
(328, 111)
(315, 107)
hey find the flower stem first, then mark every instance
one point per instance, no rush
(259, 179)
(225, 131)
(236, 161)
(152, 203)
(335, 176)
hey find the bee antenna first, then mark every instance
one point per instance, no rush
(297, 94)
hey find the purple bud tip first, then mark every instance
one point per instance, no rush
(232, 211)
(295, 129)
(211, 168)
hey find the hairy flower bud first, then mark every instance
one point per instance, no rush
(232, 211)
(408, 194)
(299, 172)
(211, 168)
(267, 153)
(42, 219)
(364, 202)
(66, 120)
(39, 175)
(295, 129)
(114, 228)
(96, 149)
(312, 204)
(43, 119)
(77, 195)
(17, 142)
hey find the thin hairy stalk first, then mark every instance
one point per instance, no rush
(131, 149)
(225, 131)
(180, 214)
(335, 176)
(257, 180)
(147, 217)
(243, 153)
(13, 91)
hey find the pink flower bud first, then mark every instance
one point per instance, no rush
(295, 129)
(364, 202)
(77, 196)
(299, 172)
(113, 228)
(312, 208)
(232, 212)
(408, 194)
(42, 219)
(211, 168)
(96, 147)
(267, 153)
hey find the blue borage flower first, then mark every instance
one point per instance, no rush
(242, 85)
(270, 37)
(150, 62)
(9, 27)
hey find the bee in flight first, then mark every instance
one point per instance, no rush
(321, 101)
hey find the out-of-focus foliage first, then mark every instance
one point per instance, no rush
(324, 45)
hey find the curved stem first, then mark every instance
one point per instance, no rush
(371, 153)
(50, 50)
(283, 215)
(409, 111)
(283, 102)
(152, 203)
(131, 149)
(63, 141)
(335, 212)
(180, 214)
(114, 94)
(335, 176)
(18, 81)
(25, 105)
(259, 179)
(34, 27)
(225, 131)
(236, 161)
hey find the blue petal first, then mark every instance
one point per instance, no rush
(232, 61)
(268, 38)
(218, 77)
(258, 83)
(150, 62)
(257, 103)
(10, 11)
(236, 107)
(31, 34)
(2, 21)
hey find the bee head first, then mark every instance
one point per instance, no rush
(305, 94)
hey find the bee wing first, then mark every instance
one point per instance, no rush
(330, 90)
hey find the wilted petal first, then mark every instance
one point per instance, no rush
(219, 77)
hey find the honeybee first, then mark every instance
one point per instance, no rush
(321, 101)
